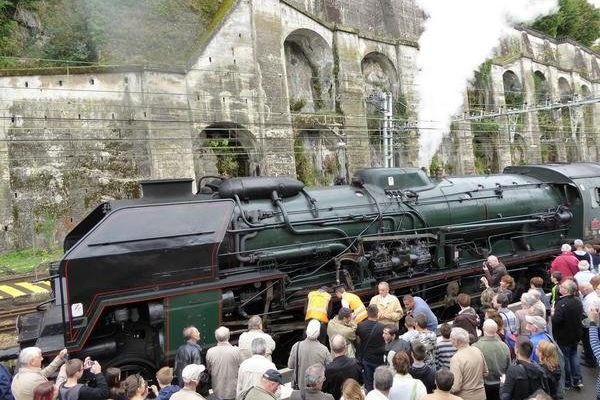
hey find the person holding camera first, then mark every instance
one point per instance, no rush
(75, 369)
(31, 373)
(493, 270)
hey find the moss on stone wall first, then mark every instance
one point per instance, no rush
(485, 134)
(305, 171)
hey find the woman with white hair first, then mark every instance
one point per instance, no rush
(529, 306)
(584, 275)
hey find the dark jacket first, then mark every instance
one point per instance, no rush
(166, 392)
(337, 371)
(188, 353)
(553, 381)
(468, 321)
(522, 380)
(5, 381)
(372, 346)
(425, 374)
(85, 392)
(566, 321)
(310, 394)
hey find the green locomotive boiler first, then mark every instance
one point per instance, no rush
(135, 272)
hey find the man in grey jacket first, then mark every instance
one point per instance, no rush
(306, 353)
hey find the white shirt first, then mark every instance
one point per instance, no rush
(404, 386)
(250, 372)
(245, 342)
(584, 277)
(375, 395)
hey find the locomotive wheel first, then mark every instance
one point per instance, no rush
(130, 365)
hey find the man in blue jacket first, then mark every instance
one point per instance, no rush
(5, 382)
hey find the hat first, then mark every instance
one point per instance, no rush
(536, 320)
(273, 375)
(313, 329)
(192, 372)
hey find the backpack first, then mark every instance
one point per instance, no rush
(511, 341)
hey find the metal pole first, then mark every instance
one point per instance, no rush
(389, 154)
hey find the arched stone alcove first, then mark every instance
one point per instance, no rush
(309, 69)
(380, 79)
(227, 149)
(514, 94)
(320, 156)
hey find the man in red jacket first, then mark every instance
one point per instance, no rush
(566, 263)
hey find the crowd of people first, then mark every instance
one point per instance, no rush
(386, 349)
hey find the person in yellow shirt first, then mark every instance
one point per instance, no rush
(353, 302)
(390, 310)
(318, 307)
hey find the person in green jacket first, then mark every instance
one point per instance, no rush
(497, 358)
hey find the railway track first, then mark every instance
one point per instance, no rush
(9, 317)
(8, 279)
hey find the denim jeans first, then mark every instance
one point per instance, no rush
(572, 367)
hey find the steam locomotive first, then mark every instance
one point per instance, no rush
(135, 272)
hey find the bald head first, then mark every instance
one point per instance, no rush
(490, 327)
(338, 345)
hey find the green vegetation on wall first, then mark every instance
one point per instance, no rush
(78, 32)
(576, 19)
(305, 171)
(227, 153)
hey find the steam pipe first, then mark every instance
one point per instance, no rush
(279, 203)
(240, 246)
(243, 214)
(313, 203)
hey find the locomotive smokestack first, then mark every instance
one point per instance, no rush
(166, 188)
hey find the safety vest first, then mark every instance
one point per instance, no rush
(317, 306)
(356, 305)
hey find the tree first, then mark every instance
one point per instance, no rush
(576, 19)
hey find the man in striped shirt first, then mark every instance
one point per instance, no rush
(595, 341)
(445, 349)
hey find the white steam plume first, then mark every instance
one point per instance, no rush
(459, 35)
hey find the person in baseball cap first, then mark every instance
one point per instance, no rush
(266, 389)
(536, 326)
(273, 375)
(191, 378)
